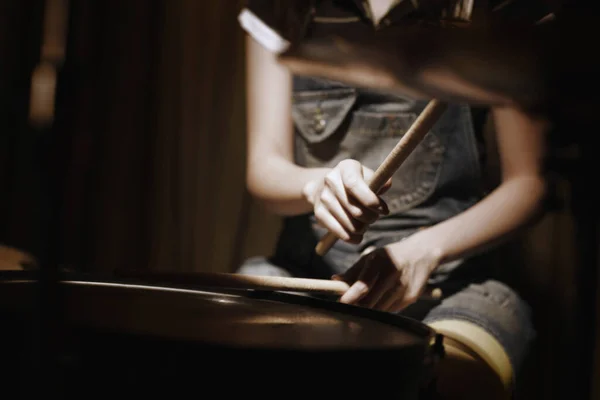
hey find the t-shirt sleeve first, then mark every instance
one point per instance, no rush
(275, 24)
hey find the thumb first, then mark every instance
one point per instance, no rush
(367, 173)
(368, 176)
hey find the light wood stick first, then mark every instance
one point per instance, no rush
(423, 124)
(238, 281)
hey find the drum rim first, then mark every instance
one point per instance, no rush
(75, 278)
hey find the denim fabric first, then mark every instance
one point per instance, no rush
(495, 307)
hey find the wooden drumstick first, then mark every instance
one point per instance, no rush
(250, 282)
(430, 115)
(238, 281)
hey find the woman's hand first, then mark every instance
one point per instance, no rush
(390, 278)
(342, 201)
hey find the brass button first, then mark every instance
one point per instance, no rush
(320, 125)
(320, 121)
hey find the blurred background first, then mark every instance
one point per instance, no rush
(150, 134)
(150, 118)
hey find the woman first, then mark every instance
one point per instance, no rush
(312, 146)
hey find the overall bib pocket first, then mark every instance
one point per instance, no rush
(332, 126)
(318, 114)
(374, 133)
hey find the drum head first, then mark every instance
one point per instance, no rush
(165, 334)
(242, 318)
(247, 320)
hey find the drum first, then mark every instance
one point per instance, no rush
(120, 336)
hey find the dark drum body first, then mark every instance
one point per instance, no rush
(120, 339)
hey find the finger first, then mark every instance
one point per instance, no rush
(311, 190)
(358, 212)
(334, 182)
(413, 286)
(382, 288)
(387, 302)
(354, 183)
(368, 177)
(329, 222)
(403, 302)
(367, 279)
(355, 293)
(367, 215)
(350, 225)
(367, 174)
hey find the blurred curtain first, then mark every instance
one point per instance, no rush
(19, 184)
(156, 93)
(203, 211)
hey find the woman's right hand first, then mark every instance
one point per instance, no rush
(342, 201)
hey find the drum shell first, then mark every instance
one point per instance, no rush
(135, 338)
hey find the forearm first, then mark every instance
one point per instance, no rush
(279, 184)
(511, 207)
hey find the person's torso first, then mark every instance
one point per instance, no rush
(441, 176)
(334, 121)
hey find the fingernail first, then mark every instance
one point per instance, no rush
(356, 212)
(360, 287)
(344, 236)
(385, 209)
(355, 292)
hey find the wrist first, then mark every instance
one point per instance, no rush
(308, 191)
(422, 247)
(314, 180)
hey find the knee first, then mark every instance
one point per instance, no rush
(490, 322)
(464, 374)
(475, 364)
(497, 310)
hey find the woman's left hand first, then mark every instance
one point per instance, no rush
(390, 278)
